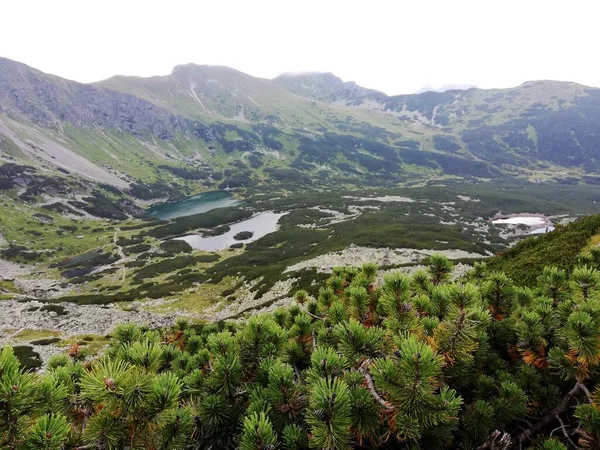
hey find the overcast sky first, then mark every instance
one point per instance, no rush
(396, 46)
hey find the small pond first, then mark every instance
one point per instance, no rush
(196, 204)
(260, 225)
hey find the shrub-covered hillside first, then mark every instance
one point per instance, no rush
(562, 248)
(413, 362)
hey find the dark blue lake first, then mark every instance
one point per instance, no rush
(196, 204)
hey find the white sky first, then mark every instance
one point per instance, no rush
(396, 46)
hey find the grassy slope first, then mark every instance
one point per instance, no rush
(19, 227)
(562, 248)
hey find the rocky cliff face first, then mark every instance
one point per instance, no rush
(52, 101)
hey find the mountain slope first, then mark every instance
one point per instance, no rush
(217, 93)
(205, 91)
(539, 126)
(211, 126)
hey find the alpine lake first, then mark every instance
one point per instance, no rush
(254, 228)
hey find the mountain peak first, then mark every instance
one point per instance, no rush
(324, 86)
(204, 68)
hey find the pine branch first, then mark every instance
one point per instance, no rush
(561, 408)
(564, 430)
(305, 309)
(371, 386)
(313, 315)
(586, 390)
(497, 441)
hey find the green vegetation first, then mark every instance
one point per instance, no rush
(243, 235)
(418, 362)
(138, 248)
(7, 286)
(50, 241)
(438, 217)
(172, 247)
(508, 356)
(32, 335)
(170, 265)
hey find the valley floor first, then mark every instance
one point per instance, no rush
(104, 272)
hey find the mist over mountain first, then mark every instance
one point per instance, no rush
(445, 87)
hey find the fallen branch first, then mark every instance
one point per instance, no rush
(314, 316)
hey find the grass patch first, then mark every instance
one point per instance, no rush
(6, 285)
(594, 243)
(29, 359)
(32, 335)
(92, 343)
(195, 300)
(48, 242)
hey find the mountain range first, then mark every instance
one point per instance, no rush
(227, 129)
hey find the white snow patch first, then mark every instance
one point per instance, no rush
(525, 220)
